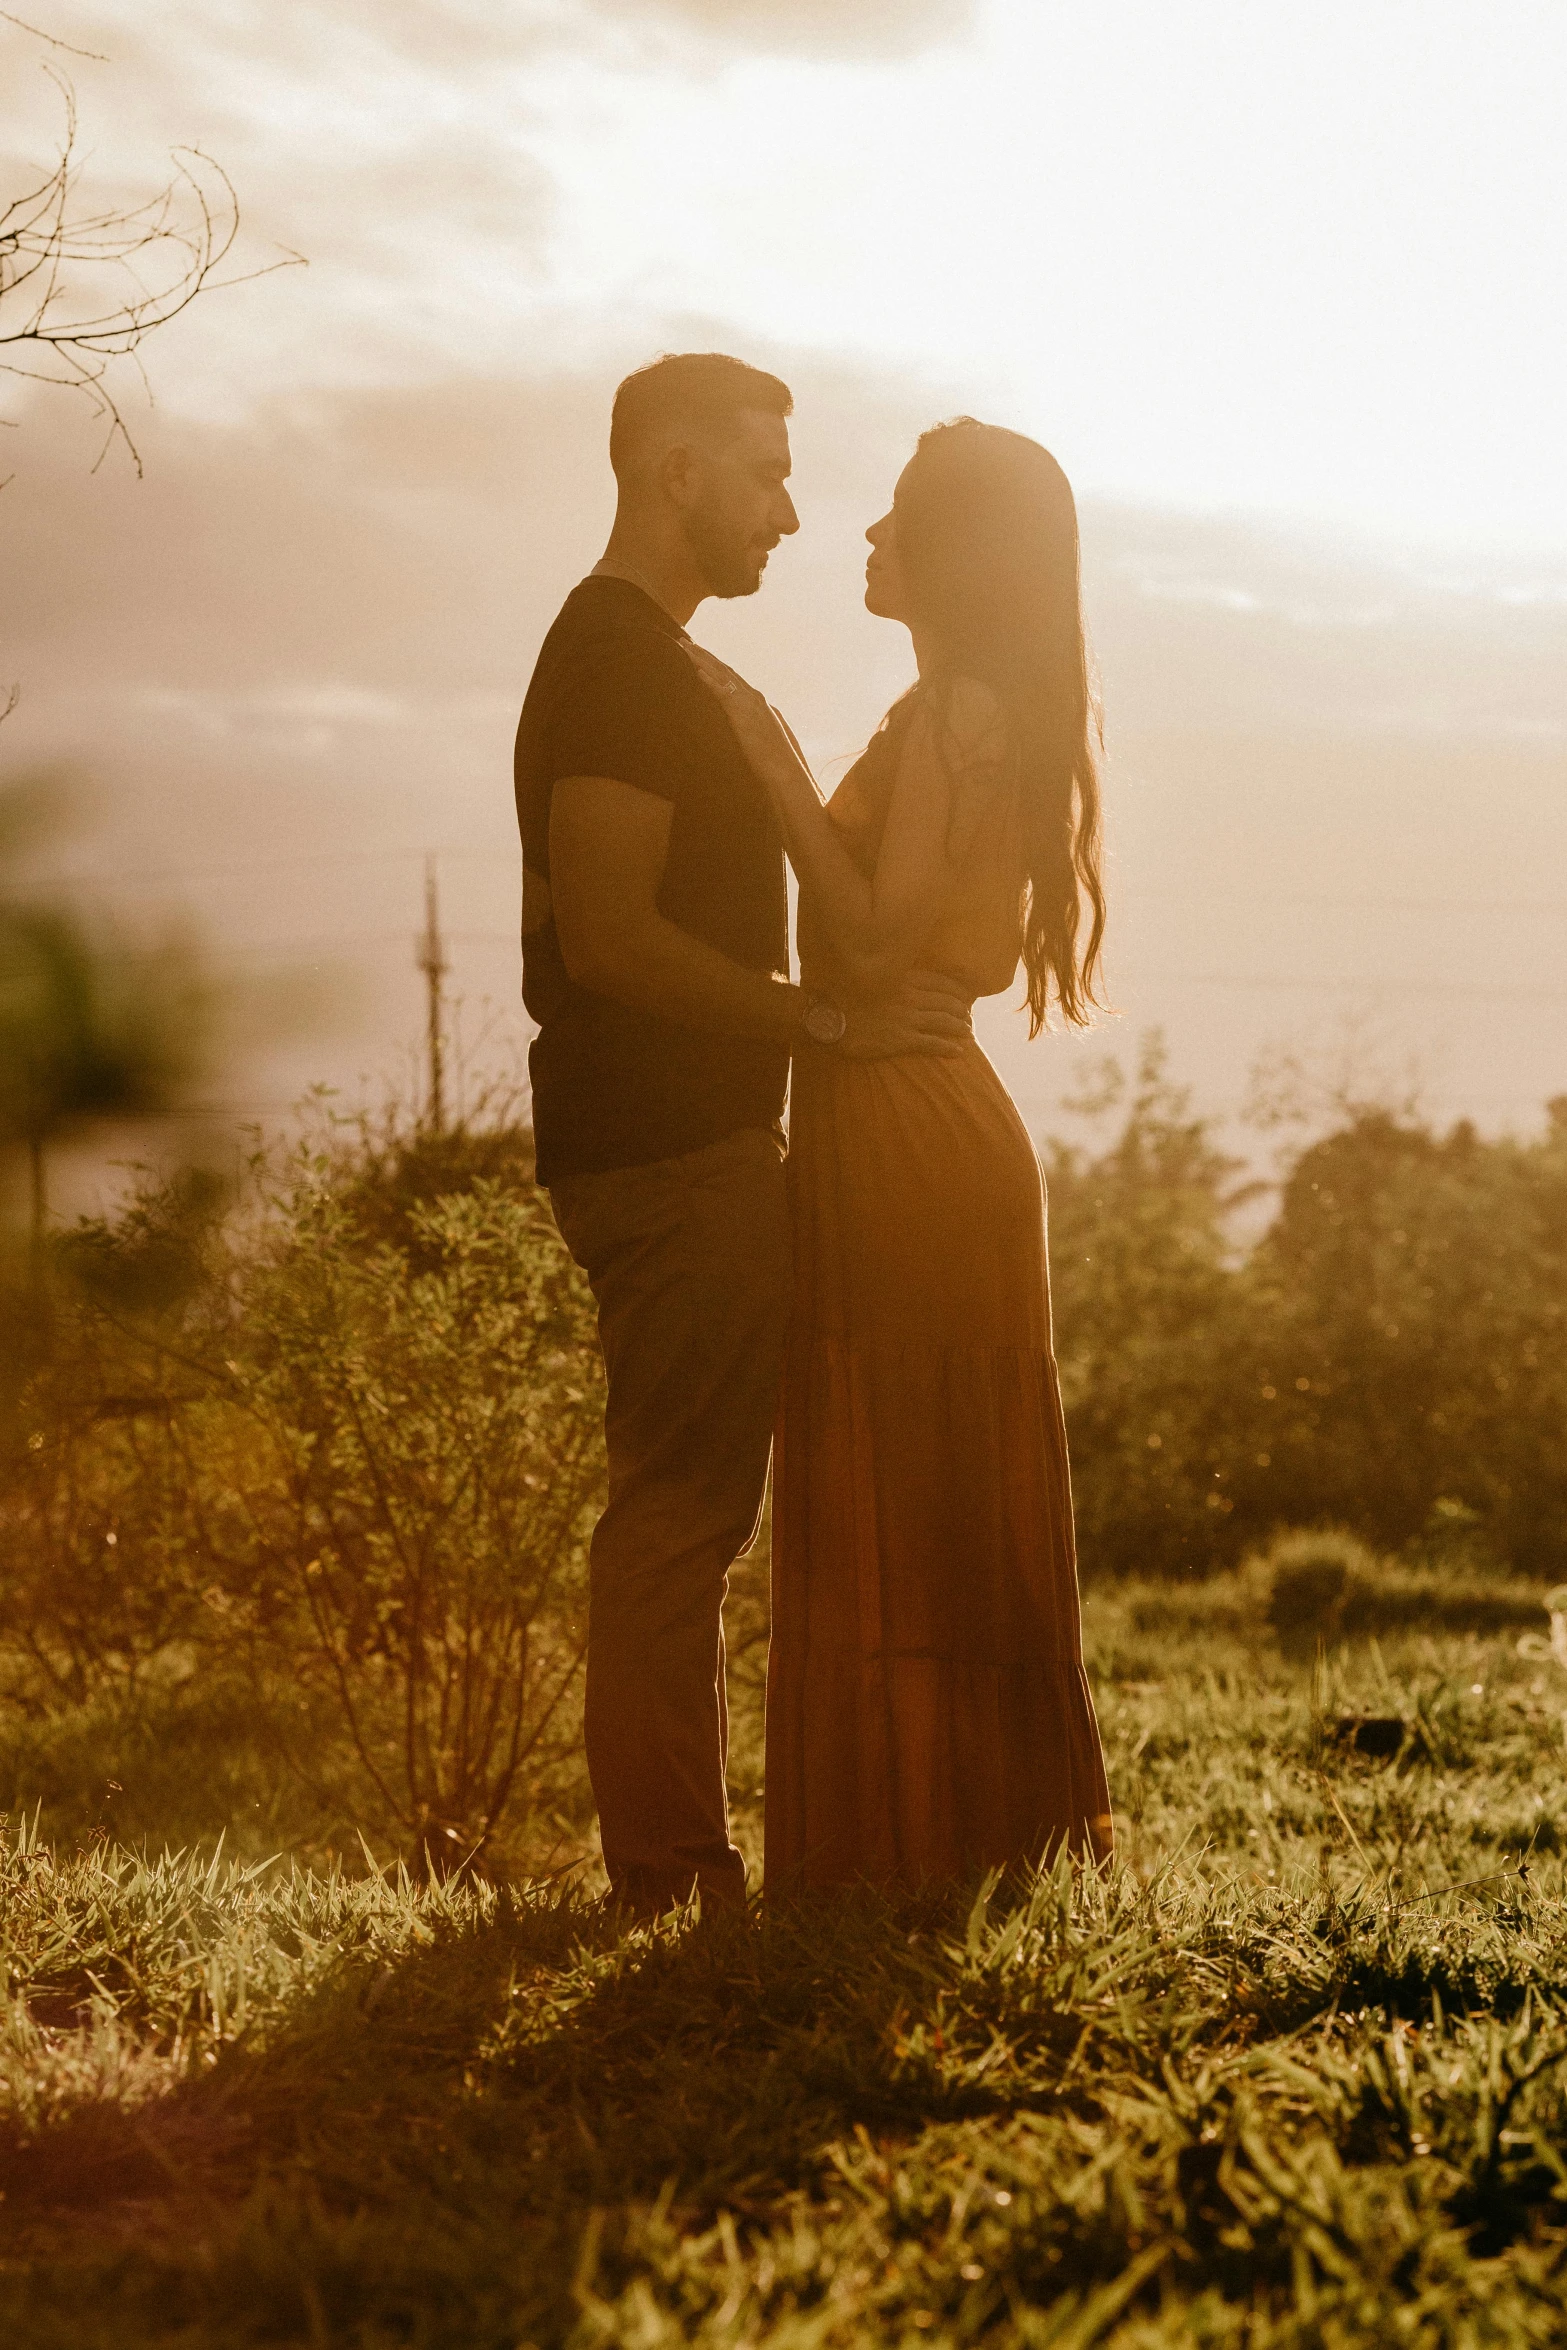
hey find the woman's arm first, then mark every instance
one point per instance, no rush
(873, 928)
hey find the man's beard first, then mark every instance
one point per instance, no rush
(730, 567)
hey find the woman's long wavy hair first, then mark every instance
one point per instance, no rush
(987, 543)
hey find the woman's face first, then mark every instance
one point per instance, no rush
(886, 590)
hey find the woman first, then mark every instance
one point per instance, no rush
(928, 1714)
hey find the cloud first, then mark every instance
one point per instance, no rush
(417, 152)
(881, 29)
(392, 145)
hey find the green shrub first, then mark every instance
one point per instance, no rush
(1391, 1355)
(1310, 1578)
(423, 1468)
(1325, 1585)
(347, 1444)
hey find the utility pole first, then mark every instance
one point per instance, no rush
(431, 960)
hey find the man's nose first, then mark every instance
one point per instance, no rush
(789, 521)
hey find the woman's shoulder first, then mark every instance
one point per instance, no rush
(974, 718)
(963, 721)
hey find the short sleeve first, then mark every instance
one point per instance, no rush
(622, 708)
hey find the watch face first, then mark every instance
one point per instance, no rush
(824, 1022)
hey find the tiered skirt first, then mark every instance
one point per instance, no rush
(928, 1717)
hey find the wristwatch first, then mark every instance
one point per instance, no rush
(824, 1022)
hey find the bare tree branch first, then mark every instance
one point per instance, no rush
(81, 290)
(96, 55)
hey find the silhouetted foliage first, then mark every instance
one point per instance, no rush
(92, 1028)
(395, 1171)
(1391, 1356)
(361, 1468)
(87, 1032)
(1411, 1301)
(1147, 1314)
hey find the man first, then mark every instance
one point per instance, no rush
(655, 962)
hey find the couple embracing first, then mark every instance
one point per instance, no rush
(873, 1307)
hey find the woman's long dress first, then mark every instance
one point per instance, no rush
(928, 1715)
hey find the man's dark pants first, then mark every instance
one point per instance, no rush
(689, 1261)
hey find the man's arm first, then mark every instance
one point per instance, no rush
(608, 845)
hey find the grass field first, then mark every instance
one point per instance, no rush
(1295, 2075)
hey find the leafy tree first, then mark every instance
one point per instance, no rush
(1149, 1318)
(1391, 1356)
(1413, 1293)
(86, 1033)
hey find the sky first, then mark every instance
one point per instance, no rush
(1282, 286)
(1302, 259)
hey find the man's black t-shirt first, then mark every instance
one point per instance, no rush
(613, 693)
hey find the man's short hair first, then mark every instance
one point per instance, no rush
(684, 388)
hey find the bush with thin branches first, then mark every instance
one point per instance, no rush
(359, 1467)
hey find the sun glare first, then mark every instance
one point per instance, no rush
(1225, 255)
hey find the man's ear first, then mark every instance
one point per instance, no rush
(677, 472)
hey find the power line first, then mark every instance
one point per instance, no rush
(343, 948)
(340, 947)
(336, 944)
(244, 870)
